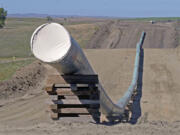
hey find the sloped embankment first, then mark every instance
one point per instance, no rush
(125, 34)
(26, 78)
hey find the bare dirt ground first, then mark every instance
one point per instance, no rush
(24, 80)
(125, 34)
(23, 108)
(156, 111)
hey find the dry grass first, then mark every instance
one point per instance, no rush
(8, 69)
(15, 40)
(82, 33)
(15, 37)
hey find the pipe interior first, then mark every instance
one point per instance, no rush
(50, 42)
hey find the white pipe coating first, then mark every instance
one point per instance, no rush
(52, 44)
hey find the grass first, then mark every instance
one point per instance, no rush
(15, 37)
(8, 69)
(158, 19)
(15, 40)
(82, 33)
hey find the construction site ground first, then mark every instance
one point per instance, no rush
(157, 110)
(23, 107)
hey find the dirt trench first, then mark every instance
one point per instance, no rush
(125, 34)
(25, 79)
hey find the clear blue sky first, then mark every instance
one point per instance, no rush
(115, 8)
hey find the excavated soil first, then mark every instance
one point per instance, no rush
(125, 34)
(23, 108)
(25, 79)
(156, 109)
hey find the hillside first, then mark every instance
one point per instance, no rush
(125, 34)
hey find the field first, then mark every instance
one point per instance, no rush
(159, 19)
(109, 45)
(9, 68)
(15, 40)
(15, 37)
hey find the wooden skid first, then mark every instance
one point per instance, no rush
(75, 111)
(73, 94)
(76, 102)
(81, 79)
(65, 92)
(56, 106)
(72, 79)
(54, 115)
(63, 89)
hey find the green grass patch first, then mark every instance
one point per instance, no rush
(15, 37)
(157, 19)
(15, 41)
(8, 69)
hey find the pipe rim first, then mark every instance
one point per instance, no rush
(59, 52)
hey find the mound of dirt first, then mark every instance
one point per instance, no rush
(23, 80)
(156, 110)
(125, 34)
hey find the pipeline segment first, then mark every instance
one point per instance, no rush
(51, 43)
(125, 99)
(107, 106)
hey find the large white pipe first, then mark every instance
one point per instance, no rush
(52, 43)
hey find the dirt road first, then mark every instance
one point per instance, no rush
(157, 108)
(125, 34)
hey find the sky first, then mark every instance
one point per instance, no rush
(108, 8)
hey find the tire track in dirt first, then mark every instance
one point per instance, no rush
(125, 34)
(159, 104)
